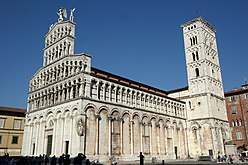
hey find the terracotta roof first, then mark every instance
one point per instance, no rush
(9, 109)
(236, 92)
(128, 82)
(178, 90)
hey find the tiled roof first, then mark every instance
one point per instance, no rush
(9, 109)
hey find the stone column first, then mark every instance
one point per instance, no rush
(165, 138)
(37, 138)
(213, 141)
(62, 135)
(110, 136)
(87, 88)
(53, 152)
(98, 118)
(104, 92)
(71, 134)
(158, 145)
(141, 136)
(25, 136)
(68, 93)
(71, 92)
(121, 134)
(42, 136)
(150, 136)
(173, 138)
(221, 141)
(132, 138)
(30, 139)
(81, 89)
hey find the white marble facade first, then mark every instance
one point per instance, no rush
(73, 108)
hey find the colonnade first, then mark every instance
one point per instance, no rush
(56, 94)
(56, 73)
(57, 51)
(107, 132)
(115, 93)
(107, 92)
(57, 34)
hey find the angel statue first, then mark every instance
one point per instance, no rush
(62, 13)
(71, 14)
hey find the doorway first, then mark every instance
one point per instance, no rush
(49, 144)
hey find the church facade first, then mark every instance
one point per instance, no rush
(76, 108)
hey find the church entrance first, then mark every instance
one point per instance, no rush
(49, 144)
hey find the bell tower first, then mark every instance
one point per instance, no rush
(203, 69)
(208, 127)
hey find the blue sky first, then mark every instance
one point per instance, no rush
(139, 40)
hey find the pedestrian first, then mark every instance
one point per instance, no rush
(61, 160)
(53, 160)
(67, 160)
(230, 159)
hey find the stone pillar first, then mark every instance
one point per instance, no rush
(98, 118)
(150, 137)
(71, 134)
(62, 135)
(132, 138)
(172, 141)
(221, 141)
(165, 138)
(25, 136)
(110, 136)
(141, 136)
(104, 92)
(158, 132)
(71, 92)
(213, 141)
(110, 93)
(80, 89)
(53, 152)
(30, 139)
(68, 93)
(42, 136)
(121, 134)
(37, 138)
(87, 88)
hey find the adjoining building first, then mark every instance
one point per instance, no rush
(74, 107)
(237, 112)
(11, 130)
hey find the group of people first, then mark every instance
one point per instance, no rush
(64, 159)
(224, 158)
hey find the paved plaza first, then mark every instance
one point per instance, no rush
(181, 162)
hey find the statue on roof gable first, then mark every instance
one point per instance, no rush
(71, 15)
(62, 14)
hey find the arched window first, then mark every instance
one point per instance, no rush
(194, 132)
(197, 72)
(190, 106)
(197, 57)
(193, 55)
(233, 123)
(195, 39)
(237, 123)
(191, 43)
(240, 122)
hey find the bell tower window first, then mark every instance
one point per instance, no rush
(197, 72)
(193, 55)
(197, 57)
